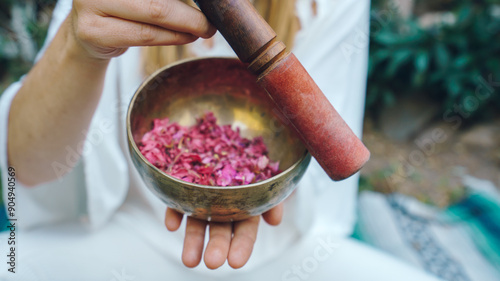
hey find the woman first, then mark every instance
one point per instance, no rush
(83, 212)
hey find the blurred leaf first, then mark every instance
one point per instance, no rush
(472, 103)
(35, 22)
(399, 58)
(381, 54)
(462, 61)
(389, 98)
(437, 76)
(454, 88)
(372, 96)
(387, 38)
(377, 58)
(464, 14)
(422, 61)
(419, 79)
(442, 55)
(439, 61)
(493, 63)
(407, 36)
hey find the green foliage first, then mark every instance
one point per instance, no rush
(445, 62)
(34, 18)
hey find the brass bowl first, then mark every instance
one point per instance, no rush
(184, 91)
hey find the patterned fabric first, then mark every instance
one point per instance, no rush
(458, 243)
(482, 215)
(434, 258)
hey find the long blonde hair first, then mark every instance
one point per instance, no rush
(280, 14)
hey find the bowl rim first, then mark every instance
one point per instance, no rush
(132, 144)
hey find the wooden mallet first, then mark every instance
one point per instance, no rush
(326, 135)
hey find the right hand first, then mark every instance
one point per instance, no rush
(105, 29)
(231, 241)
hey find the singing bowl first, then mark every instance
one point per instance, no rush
(186, 90)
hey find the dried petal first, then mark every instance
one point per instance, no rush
(206, 153)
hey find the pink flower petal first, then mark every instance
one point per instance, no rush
(207, 153)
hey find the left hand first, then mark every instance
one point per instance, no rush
(231, 241)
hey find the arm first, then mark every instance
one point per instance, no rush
(60, 94)
(55, 103)
(53, 108)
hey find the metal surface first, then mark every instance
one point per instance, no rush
(185, 91)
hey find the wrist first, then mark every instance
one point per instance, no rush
(75, 50)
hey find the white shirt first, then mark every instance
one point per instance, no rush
(332, 46)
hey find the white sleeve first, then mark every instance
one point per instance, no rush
(333, 47)
(98, 183)
(32, 206)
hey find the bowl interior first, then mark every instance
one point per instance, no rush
(187, 90)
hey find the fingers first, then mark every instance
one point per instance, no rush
(169, 14)
(218, 246)
(122, 34)
(105, 29)
(245, 234)
(274, 216)
(231, 241)
(193, 242)
(173, 219)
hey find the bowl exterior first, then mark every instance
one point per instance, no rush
(181, 92)
(220, 204)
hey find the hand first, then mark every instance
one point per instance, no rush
(106, 29)
(228, 241)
